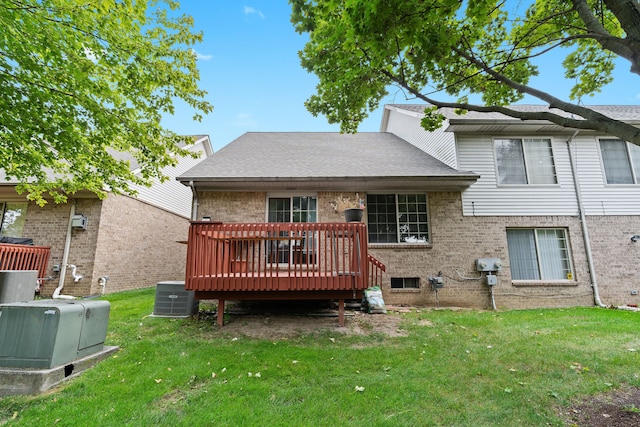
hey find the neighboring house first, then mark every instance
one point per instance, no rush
(118, 243)
(559, 207)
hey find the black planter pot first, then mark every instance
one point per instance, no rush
(353, 215)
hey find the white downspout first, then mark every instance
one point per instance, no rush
(65, 258)
(583, 223)
(194, 205)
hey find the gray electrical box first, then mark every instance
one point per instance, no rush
(50, 333)
(492, 280)
(488, 264)
(172, 300)
(17, 285)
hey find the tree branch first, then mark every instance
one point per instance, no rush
(591, 120)
(630, 20)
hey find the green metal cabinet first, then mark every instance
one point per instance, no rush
(51, 333)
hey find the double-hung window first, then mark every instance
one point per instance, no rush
(397, 218)
(12, 218)
(621, 161)
(525, 161)
(539, 254)
(299, 249)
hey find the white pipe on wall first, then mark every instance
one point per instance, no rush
(65, 257)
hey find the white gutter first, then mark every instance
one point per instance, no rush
(583, 223)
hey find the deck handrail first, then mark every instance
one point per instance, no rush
(25, 257)
(376, 268)
(278, 256)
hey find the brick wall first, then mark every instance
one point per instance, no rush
(232, 206)
(132, 242)
(456, 243)
(138, 245)
(48, 226)
(616, 257)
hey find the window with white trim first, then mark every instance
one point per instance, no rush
(525, 161)
(397, 218)
(405, 283)
(302, 249)
(539, 254)
(621, 161)
(12, 216)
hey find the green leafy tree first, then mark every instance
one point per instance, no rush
(438, 50)
(83, 88)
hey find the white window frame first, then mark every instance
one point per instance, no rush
(542, 261)
(527, 161)
(289, 249)
(632, 162)
(417, 239)
(290, 196)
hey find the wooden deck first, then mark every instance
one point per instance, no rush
(279, 261)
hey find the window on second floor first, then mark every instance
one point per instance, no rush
(397, 218)
(621, 161)
(525, 161)
(12, 217)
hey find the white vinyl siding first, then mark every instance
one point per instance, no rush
(539, 254)
(487, 197)
(598, 197)
(172, 195)
(406, 125)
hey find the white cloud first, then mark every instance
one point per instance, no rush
(244, 120)
(248, 10)
(201, 56)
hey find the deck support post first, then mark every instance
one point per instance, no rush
(341, 312)
(220, 312)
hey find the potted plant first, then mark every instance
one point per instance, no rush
(353, 208)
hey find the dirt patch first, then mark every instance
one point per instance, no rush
(617, 408)
(275, 322)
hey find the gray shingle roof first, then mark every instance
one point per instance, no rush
(294, 156)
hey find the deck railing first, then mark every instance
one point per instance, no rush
(24, 257)
(279, 257)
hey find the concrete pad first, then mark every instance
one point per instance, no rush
(15, 381)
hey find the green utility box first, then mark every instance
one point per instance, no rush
(50, 333)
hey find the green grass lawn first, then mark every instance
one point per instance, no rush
(454, 368)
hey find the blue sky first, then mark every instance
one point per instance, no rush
(248, 62)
